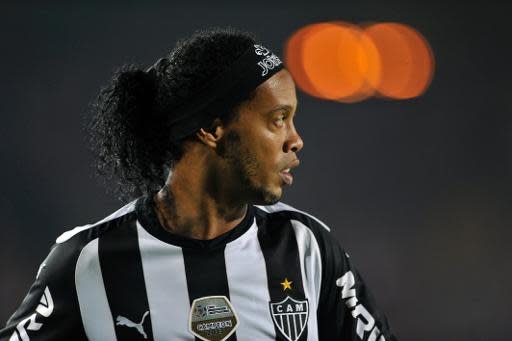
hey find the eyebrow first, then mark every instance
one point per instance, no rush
(286, 107)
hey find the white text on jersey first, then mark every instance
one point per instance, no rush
(44, 308)
(365, 321)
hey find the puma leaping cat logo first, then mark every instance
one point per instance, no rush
(123, 321)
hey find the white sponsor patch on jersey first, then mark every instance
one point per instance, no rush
(212, 318)
(44, 308)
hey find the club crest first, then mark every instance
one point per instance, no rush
(290, 317)
(212, 318)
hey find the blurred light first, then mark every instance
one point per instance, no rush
(328, 61)
(342, 62)
(331, 57)
(406, 58)
(293, 59)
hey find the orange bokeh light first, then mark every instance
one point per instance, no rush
(343, 62)
(331, 60)
(293, 58)
(406, 58)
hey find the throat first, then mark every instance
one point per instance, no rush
(201, 219)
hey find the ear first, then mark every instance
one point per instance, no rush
(211, 136)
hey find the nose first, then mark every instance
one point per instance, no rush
(294, 142)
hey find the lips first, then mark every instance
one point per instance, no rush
(286, 177)
(285, 174)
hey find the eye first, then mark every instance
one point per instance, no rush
(279, 120)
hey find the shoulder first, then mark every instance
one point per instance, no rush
(52, 299)
(93, 230)
(70, 245)
(282, 211)
(281, 208)
(307, 227)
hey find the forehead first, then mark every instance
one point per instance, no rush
(277, 90)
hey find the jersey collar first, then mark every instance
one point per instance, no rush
(147, 217)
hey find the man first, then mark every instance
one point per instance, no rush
(206, 138)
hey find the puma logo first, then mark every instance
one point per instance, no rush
(123, 321)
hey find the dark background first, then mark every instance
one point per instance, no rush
(417, 191)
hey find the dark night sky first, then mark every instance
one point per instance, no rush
(418, 191)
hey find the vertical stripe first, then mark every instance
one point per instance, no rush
(123, 277)
(295, 324)
(92, 299)
(206, 274)
(281, 253)
(311, 269)
(287, 328)
(247, 278)
(164, 272)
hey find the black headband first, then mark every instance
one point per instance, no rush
(252, 68)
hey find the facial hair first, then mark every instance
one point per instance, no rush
(245, 167)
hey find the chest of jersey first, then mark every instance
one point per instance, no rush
(142, 288)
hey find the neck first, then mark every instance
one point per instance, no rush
(196, 203)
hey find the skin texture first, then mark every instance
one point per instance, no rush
(229, 167)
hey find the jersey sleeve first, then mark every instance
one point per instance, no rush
(50, 309)
(347, 310)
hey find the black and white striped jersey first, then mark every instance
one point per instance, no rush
(278, 275)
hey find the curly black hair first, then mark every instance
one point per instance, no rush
(129, 130)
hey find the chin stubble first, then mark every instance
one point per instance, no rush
(246, 168)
